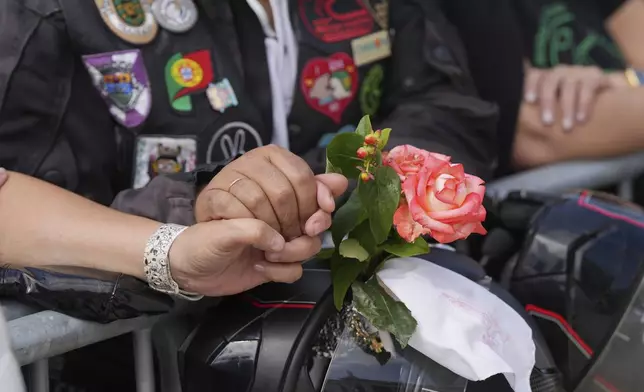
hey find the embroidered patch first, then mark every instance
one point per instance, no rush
(379, 10)
(177, 16)
(221, 95)
(327, 137)
(162, 155)
(370, 48)
(326, 23)
(122, 80)
(187, 74)
(232, 139)
(329, 84)
(130, 20)
(371, 90)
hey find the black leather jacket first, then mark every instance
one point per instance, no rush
(55, 125)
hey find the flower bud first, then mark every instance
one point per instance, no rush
(371, 139)
(364, 176)
(362, 153)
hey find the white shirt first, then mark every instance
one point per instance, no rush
(281, 55)
(10, 375)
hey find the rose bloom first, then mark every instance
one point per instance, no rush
(407, 160)
(440, 199)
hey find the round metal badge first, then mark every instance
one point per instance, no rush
(177, 16)
(131, 20)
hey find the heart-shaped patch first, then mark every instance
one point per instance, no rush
(329, 84)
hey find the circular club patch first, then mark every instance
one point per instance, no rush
(232, 139)
(130, 20)
(177, 16)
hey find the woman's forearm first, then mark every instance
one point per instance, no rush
(626, 28)
(615, 127)
(42, 225)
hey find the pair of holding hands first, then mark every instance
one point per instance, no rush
(258, 218)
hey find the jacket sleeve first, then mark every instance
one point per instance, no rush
(168, 199)
(35, 81)
(430, 100)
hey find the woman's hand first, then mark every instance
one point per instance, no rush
(226, 257)
(273, 185)
(572, 88)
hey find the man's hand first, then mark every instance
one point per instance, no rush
(572, 88)
(273, 185)
(231, 256)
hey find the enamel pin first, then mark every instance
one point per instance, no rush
(177, 16)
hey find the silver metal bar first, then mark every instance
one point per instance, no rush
(564, 176)
(143, 360)
(46, 334)
(39, 376)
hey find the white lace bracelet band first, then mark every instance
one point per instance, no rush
(157, 263)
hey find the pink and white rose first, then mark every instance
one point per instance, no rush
(440, 199)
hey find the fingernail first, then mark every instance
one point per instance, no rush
(530, 97)
(277, 244)
(547, 117)
(3, 170)
(567, 123)
(316, 227)
(259, 268)
(581, 116)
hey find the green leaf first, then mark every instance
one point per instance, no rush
(382, 311)
(380, 197)
(362, 233)
(378, 157)
(352, 249)
(331, 169)
(384, 138)
(343, 273)
(364, 127)
(350, 215)
(325, 254)
(341, 154)
(399, 247)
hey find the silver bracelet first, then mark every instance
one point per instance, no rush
(157, 263)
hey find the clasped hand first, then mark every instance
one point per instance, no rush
(260, 217)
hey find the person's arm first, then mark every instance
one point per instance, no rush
(42, 225)
(624, 23)
(615, 127)
(35, 82)
(431, 101)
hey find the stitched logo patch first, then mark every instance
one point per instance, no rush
(122, 81)
(371, 90)
(162, 155)
(187, 74)
(331, 23)
(329, 84)
(370, 48)
(131, 20)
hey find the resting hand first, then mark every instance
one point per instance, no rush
(573, 88)
(231, 256)
(273, 185)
